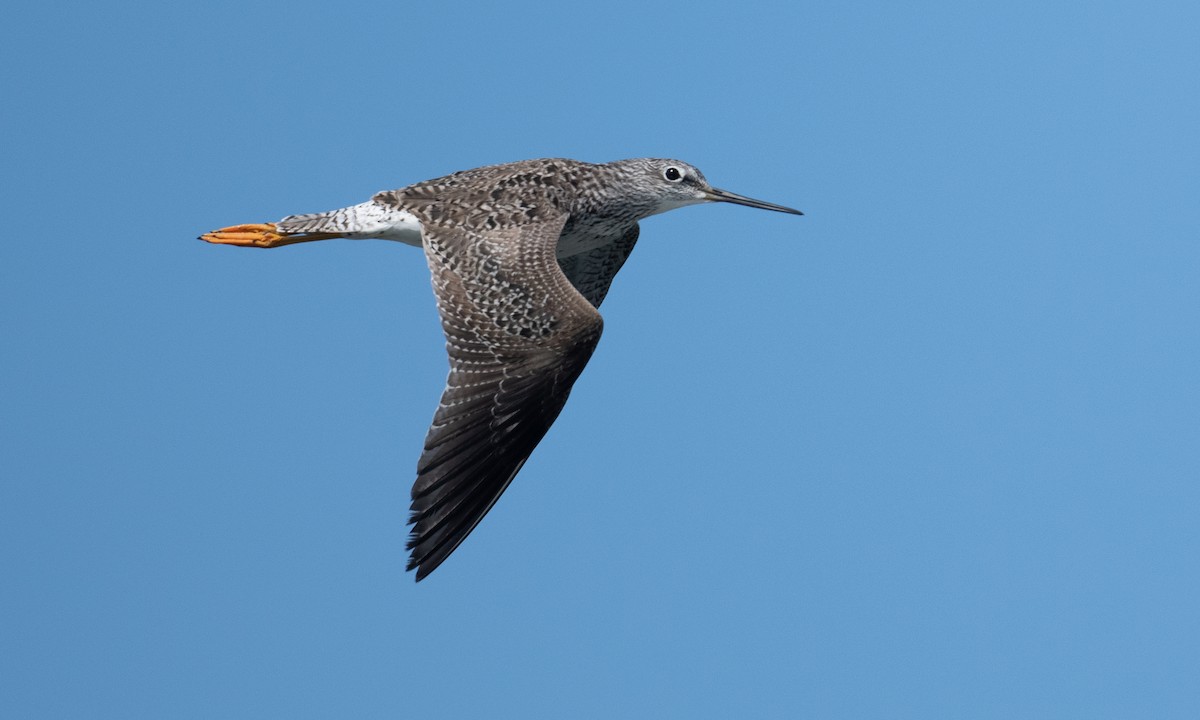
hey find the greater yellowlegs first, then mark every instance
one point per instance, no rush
(521, 255)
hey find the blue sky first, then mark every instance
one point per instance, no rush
(929, 451)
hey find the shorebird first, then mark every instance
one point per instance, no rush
(522, 256)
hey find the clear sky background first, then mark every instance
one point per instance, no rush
(931, 450)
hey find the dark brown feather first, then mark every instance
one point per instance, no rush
(518, 335)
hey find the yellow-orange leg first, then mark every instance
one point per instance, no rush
(262, 235)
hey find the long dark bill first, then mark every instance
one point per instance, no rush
(726, 196)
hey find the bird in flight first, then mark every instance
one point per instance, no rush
(521, 256)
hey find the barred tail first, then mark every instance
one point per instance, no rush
(366, 220)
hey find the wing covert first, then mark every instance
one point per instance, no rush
(592, 272)
(518, 335)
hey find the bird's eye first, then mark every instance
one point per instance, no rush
(673, 173)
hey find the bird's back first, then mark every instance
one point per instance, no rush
(495, 196)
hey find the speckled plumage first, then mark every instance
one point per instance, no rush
(521, 256)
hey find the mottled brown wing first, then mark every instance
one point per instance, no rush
(592, 272)
(518, 335)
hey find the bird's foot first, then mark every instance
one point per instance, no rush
(263, 235)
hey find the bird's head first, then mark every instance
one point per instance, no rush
(669, 184)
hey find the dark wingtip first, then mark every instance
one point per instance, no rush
(414, 563)
(422, 572)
